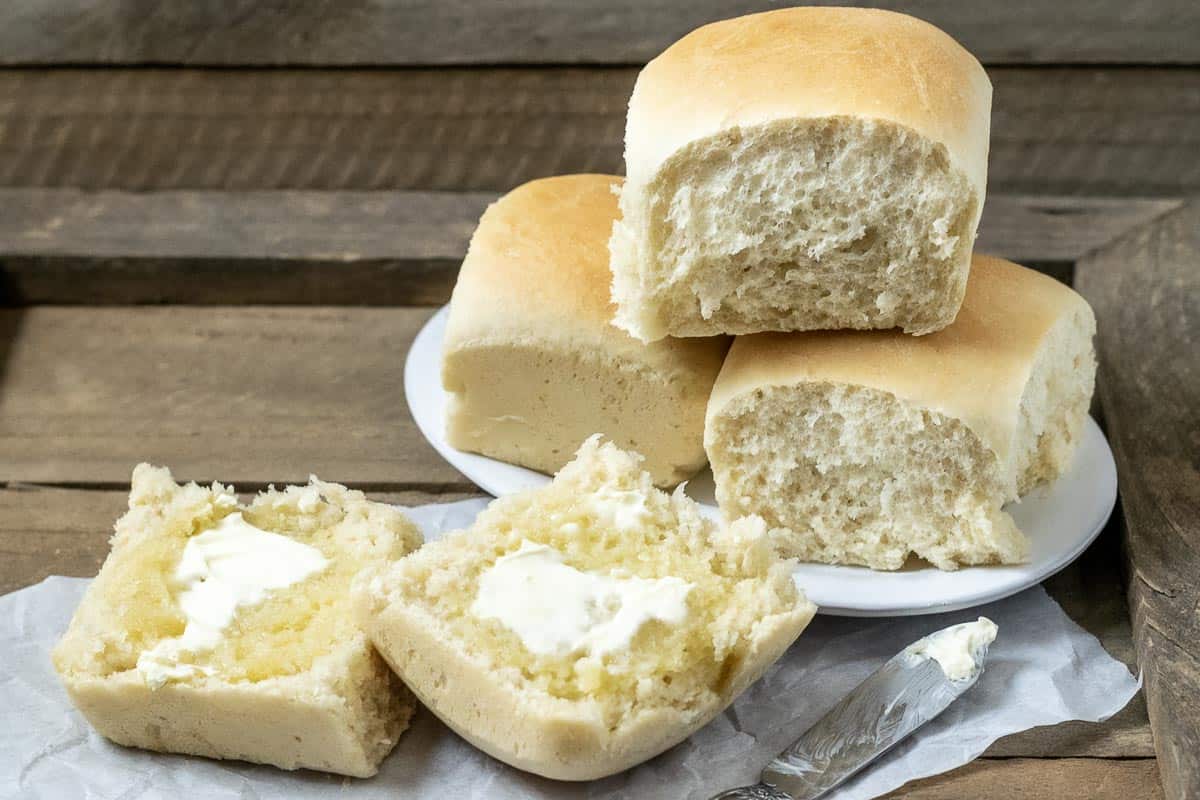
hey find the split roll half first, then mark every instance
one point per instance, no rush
(578, 629)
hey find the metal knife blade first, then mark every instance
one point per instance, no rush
(899, 697)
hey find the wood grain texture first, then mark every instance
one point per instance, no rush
(1091, 592)
(248, 395)
(62, 246)
(1041, 779)
(1114, 131)
(404, 32)
(1146, 292)
(47, 532)
(1057, 228)
(50, 531)
(338, 226)
(333, 248)
(276, 129)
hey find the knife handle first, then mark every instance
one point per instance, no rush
(759, 791)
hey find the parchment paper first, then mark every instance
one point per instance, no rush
(1042, 669)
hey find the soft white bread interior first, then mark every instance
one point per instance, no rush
(293, 682)
(580, 714)
(801, 169)
(532, 362)
(861, 447)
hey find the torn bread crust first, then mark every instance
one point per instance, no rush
(866, 447)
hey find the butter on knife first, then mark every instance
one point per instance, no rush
(912, 688)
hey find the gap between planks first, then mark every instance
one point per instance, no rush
(63, 246)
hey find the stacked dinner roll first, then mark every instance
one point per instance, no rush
(863, 447)
(531, 361)
(801, 169)
(809, 180)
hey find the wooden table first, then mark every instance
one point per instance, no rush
(218, 262)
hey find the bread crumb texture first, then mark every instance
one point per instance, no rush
(132, 604)
(799, 225)
(850, 475)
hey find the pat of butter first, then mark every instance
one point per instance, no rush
(558, 610)
(959, 649)
(622, 509)
(228, 567)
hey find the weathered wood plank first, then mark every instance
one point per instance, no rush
(1055, 131)
(332, 248)
(1091, 592)
(48, 531)
(1057, 228)
(1125, 735)
(540, 31)
(1146, 292)
(247, 395)
(53, 532)
(337, 226)
(276, 129)
(1042, 779)
(62, 246)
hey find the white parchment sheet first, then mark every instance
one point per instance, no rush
(1042, 669)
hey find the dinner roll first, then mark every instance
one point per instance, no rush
(801, 169)
(226, 631)
(861, 447)
(578, 629)
(532, 362)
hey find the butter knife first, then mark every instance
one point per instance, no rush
(909, 690)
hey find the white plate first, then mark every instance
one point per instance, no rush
(1061, 520)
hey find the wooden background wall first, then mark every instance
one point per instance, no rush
(1092, 96)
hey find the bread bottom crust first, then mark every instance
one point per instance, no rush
(291, 723)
